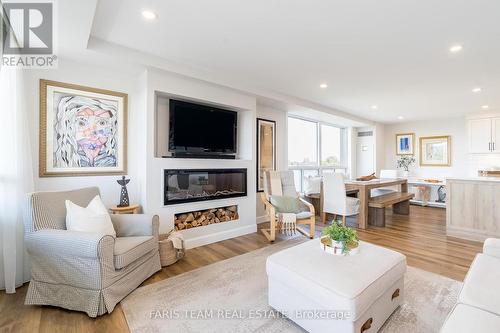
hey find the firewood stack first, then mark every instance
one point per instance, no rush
(205, 217)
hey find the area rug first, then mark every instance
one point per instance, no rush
(231, 296)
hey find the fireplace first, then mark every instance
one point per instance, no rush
(181, 186)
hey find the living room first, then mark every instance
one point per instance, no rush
(241, 167)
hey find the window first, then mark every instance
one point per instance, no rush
(302, 142)
(331, 145)
(315, 148)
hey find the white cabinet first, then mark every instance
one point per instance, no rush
(484, 135)
(495, 135)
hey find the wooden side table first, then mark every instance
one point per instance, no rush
(132, 209)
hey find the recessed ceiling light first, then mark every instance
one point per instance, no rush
(476, 90)
(401, 117)
(323, 86)
(485, 107)
(456, 48)
(149, 15)
(374, 107)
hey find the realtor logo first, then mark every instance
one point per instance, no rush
(28, 34)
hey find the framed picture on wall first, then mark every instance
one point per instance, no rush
(405, 144)
(266, 149)
(435, 151)
(83, 131)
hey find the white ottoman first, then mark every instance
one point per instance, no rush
(322, 292)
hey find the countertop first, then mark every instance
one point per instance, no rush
(476, 179)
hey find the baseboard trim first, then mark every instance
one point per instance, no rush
(219, 236)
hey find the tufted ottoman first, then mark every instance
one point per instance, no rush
(322, 292)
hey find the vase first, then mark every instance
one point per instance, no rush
(334, 247)
(405, 174)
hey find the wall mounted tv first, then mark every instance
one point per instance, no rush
(201, 131)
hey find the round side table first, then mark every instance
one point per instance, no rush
(132, 209)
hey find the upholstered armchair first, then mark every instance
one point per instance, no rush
(282, 183)
(84, 271)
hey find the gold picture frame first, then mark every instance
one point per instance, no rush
(96, 145)
(435, 151)
(405, 144)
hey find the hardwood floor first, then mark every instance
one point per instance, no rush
(420, 236)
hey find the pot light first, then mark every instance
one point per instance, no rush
(323, 86)
(456, 48)
(476, 90)
(149, 15)
(374, 107)
(485, 107)
(401, 117)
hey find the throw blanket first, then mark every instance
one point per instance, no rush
(178, 242)
(287, 223)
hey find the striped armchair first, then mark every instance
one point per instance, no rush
(83, 271)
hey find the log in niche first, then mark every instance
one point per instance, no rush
(200, 218)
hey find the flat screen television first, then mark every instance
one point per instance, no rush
(197, 129)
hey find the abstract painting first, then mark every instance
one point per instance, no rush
(82, 130)
(405, 144)
(435, 151)
(266, 149)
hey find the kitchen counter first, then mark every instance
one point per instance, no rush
(476, 178)
(473, 208)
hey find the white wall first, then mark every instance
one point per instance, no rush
(280, 117)
(462, 163)
(365, 149)
(97, 77)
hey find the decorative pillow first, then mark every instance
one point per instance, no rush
(285, 204)
(312, 185)
(94, 218)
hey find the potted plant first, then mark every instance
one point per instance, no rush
(404, 163)
(339, 239)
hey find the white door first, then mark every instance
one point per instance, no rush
(365, 156)
(495, 135)
(480, 135)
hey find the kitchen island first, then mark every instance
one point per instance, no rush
(473, 207)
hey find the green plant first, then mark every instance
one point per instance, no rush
(342, 234)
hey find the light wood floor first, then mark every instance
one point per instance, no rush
(420, 236)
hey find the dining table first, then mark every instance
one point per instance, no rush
(363, 191)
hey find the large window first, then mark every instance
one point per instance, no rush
(315, 148)
(302, 142)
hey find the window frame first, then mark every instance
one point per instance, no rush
(342, 166)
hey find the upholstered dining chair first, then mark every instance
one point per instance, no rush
(335, 199)
(385, 174)
(282, 183)
(84, 271)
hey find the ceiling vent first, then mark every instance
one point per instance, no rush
(365, 133)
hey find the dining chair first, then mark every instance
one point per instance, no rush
(385, 174)
(335, 199)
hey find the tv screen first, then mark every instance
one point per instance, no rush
(198, 128)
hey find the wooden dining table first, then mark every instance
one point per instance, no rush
(363, 189)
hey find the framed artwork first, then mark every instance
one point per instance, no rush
(435, 151)
(266, 149)
(405, 144)
(83, 131)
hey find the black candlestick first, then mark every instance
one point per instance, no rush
(124, 201)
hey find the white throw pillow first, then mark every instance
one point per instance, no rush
(312, 185)
(94, 218)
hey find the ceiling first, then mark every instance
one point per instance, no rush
(389, 53)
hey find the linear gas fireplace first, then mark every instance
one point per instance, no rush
(183, 186)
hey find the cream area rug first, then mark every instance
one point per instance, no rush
(231, 296)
